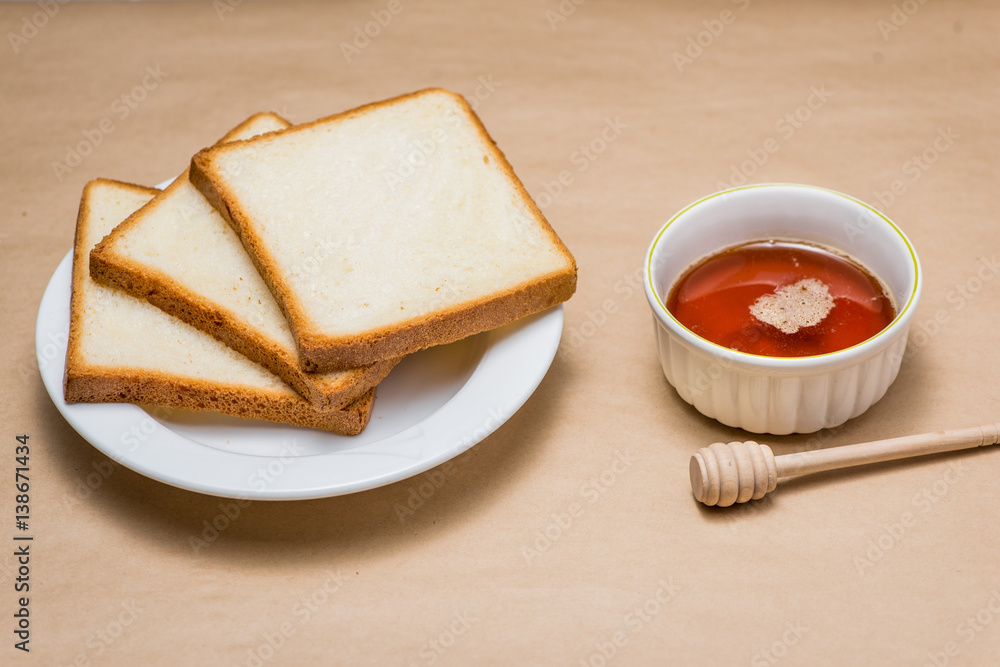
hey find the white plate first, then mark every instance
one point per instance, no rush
(433, 406)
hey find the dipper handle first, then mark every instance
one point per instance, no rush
(723, 474)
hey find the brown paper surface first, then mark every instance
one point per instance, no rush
(569, 536)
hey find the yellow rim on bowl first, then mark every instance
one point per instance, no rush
(904, 311)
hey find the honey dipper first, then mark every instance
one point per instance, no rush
(724, 474)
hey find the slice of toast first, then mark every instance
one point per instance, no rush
(180, 255)
(123, 349)
(386, 229)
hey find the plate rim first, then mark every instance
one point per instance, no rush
(503, 346)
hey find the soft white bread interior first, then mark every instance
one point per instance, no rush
(388, 228)
(123, 349)
(180, 255)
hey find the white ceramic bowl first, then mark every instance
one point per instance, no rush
(771, 394)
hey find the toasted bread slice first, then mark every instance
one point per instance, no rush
(123, 349)
(180, 255)
(388, 228)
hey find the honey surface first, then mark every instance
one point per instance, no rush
(781, 299)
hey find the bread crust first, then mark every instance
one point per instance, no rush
(84, 382)
(104, 385)
(319, 351)
(114, 269)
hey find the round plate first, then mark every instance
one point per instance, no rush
(434, 405)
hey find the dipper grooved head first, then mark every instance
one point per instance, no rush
(723, 474)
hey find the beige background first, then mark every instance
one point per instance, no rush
(823, 573)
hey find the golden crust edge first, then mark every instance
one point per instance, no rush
(322, 353)
(80, 270)
(103, 385)
(110, 268)
(83, 382)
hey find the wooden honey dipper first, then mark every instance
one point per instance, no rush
(724, 474)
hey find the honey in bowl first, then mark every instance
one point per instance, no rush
(781, 299)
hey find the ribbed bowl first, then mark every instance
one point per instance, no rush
(769, 394)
